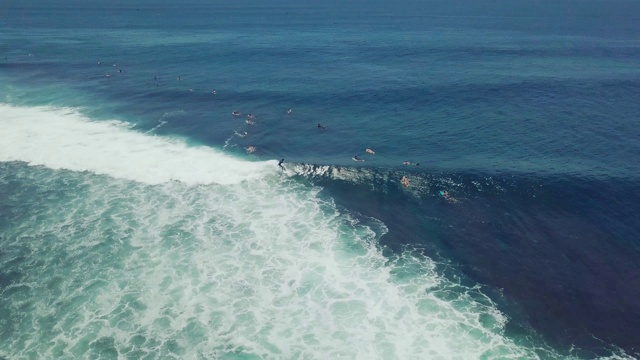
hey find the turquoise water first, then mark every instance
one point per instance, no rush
(135, 224)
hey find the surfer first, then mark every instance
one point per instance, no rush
(289, 111)
(405, 181)
(356, 158)
(407, 162)
(446, 196)
(370, 151)
(280, 164)
(320, 126)
(251, 149)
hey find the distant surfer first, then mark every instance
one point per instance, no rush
(320, 126)
(368, 150)
(356, 158)
(405, 181)
(407, 162)
(289, 111)
(235, 113)
(446, 196)
(280, 164)
(251, 149)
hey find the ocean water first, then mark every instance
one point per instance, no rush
(135, 224)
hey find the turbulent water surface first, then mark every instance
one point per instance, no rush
(140, 219)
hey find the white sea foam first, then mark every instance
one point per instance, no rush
(246, 266)
(247, 270)
(64, 139)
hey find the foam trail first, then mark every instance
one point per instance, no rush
(64, 139)
(243, 270)
(246, 271)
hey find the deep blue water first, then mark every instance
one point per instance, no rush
(526, 113)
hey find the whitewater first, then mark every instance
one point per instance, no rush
(125, 244)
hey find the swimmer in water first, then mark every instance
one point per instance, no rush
(251, 149)
(405, 181)
(289, 111)
(370, 151)
(320, 126)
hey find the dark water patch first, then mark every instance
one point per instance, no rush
(546, 247)
(506, 51)
(19, 66)
(574, 279)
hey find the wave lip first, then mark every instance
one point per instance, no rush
(62, 138)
